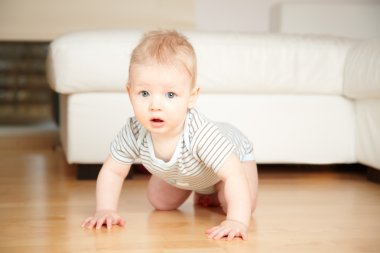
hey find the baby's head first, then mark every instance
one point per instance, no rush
(165, 48)
(161, 83)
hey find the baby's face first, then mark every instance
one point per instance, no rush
(160, 96)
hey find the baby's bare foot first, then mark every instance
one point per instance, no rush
(206, 200)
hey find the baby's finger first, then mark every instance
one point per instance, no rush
(216, 232)
(225, 231)
(84, 223)
(109, 222)
(210, 230)
(244, 236)
(231, 235)
(120, 222)
(92, 223)
(213, 231)
(100, 222)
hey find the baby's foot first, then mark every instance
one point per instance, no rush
(206, 200)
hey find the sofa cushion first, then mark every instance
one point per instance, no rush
(265, 63)
(227, 63)
(90, 61)
(362, 71)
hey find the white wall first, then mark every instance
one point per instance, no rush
(47, 19)
(358, 21)
(246, 15)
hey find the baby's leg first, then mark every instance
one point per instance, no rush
(206, 200)
(250, 169)
(165, 197)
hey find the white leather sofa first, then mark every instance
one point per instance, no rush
(300, 99)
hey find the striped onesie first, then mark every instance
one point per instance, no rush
(200, 152)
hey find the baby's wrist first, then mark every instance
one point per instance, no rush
(239, 223)
(99, 210)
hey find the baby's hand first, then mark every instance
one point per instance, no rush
(229, 229)
(107, 217)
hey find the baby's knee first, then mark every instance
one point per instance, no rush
(167, 199)
(159, 204)
(162, 207)
(253, 202)
(253, 206)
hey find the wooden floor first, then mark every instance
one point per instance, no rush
(42, 205)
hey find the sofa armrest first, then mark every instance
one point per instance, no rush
(91, 61)
(362, 71)
(362, 83)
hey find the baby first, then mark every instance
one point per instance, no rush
(182, 149)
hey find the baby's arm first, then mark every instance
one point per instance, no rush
(238, 201)
(108, 187)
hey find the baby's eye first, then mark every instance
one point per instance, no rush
(170, 94)
(144, 93)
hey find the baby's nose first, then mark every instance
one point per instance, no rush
(155, 104)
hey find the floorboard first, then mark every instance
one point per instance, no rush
(42, 204)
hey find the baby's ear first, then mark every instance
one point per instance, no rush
(193, 96)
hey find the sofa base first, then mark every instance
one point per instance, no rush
(373, 175)
(91, 171)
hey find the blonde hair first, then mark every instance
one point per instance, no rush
(165, 47)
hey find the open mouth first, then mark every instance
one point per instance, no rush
(157, 120)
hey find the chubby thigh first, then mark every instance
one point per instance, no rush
(164, 196)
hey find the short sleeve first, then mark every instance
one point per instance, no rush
(124, 147)
(211, 147)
